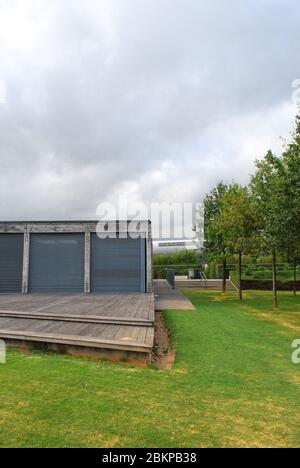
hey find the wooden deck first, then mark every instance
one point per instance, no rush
(114, 326)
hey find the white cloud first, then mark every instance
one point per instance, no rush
(159, 98)
(2, 92)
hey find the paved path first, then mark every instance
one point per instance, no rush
(167, 298)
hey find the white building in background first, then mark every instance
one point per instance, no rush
(172, 246)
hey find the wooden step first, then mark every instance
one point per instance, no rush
(124, 338)
(118, 320)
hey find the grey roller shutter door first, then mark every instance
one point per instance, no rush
(56, 263)
(11, 262)
(117, 265)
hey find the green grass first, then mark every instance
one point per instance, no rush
(233, 384)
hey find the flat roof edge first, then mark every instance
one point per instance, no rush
(77, 221)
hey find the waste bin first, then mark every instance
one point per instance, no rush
(191, 274)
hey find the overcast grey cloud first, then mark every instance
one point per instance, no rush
(158, 98)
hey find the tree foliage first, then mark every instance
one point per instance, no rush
(214, 243)
(262, 218)
(237, 220)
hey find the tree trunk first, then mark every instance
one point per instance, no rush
(224, 275)
(275, 298)
(295, 277)
(240, 277)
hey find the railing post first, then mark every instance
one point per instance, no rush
(26, 254)
(87, 263)
(171, 278)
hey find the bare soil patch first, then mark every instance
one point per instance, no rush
(163, 354)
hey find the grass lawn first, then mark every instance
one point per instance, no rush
(233, 384)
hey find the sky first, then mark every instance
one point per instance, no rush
(155, 99)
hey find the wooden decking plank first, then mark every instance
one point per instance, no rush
(134, 332)
(126, 334)
(109, 332)
(3, 322)
(142, 335)
(149, 340)
(97, 331)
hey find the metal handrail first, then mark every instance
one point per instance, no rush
(170, 276)
(204, 278)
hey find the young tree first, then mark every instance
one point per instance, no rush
(291, 199)
(214, 244)
(267, 190)
(237, 220)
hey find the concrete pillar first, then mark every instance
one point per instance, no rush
(149, 256)
(87, 263)
(26, 255)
